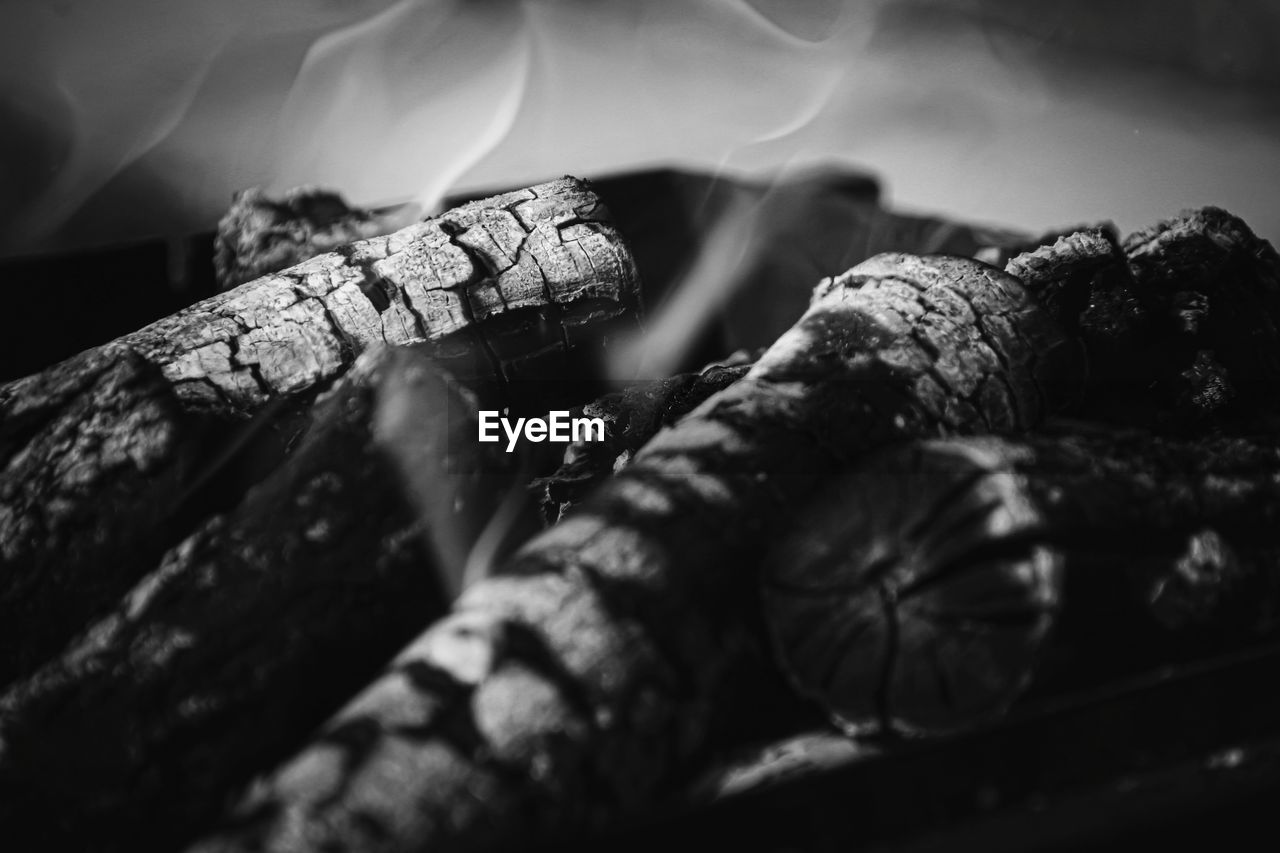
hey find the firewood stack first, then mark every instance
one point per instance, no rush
(948, 492)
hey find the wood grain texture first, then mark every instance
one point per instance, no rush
(930, 588)
(562, 692)
(548, 248)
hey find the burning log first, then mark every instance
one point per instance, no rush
(94, 450)
(254, 629)
(1081, 277)
(917, 594)
(561, 692)
(260, 235)
(1087, 281)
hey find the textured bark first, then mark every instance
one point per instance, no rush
(516, 286)
(1084, 279)
(260, 235)
(916, 593)
(524, 272)
(254, 629)
(95, 459)
(564, 690)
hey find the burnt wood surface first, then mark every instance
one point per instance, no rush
(1175, 327)
(259, 235)
(563, 691)
(1179, 321)
(97, 459)
(631, 417)
(926, 591)
(94, 451)
(1123, 312)
(115, 289)
(257, 626)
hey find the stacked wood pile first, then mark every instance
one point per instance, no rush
(947, 490)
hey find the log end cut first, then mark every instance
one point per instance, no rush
(914, 595)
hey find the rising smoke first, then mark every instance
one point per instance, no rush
(136, 117)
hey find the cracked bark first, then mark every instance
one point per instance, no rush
(523, 285)
(95, 460)
(260, 235)
(255, 628)
(561, 692)
(499, 269)
(1087, 281)
(927, 590)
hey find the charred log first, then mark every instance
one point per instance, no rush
(1180, 320)
(259, 235)
(96, 458)
(255, 628)
(929, 590)
(563, 691)
(93, 451)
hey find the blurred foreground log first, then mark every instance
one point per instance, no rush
(254, 629)
(95, 451)
(562, 692)
(917, 593)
